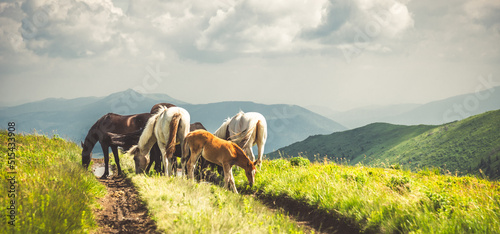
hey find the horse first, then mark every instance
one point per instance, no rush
(166, 127)
(123, 140)
(242, 124)
(221, 152)
(113, 123)
(126, 141)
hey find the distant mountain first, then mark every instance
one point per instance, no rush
(72, 118)
(459, 147)
(434, 113)
(362, 116)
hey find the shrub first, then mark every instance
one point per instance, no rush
(300, 161)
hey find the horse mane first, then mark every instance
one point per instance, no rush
(150, 126)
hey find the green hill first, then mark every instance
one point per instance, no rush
(44, 187)
(462, 147)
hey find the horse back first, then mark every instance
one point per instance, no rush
(157, 107)
(123, 124)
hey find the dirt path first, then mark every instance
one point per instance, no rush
(123, 211)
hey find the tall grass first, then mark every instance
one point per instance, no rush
(54, 194)
(386, 200)
(179, 205)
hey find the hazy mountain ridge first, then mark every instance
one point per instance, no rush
(433, 113)
(72, 118)
(459, 147)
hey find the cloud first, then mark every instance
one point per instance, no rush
(70, 29)
(201, 30)
(251, 27)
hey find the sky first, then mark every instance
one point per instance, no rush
(341, 54)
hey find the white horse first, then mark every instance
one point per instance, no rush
(246, 130)
(167, 127)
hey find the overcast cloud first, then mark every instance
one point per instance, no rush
(338, 53)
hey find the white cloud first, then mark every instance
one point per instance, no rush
(272, 43)
(70, 29)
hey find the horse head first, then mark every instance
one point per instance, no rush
(250, 173)
(86, 155)
(141, 161)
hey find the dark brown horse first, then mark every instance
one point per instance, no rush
(117, 124)
(121, 124)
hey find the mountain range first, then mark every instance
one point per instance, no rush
(72, 118)
(469, 146)
(434, 113)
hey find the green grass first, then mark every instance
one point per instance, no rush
(179, 205)
(54, 194)
(469, 146)
(386, 200)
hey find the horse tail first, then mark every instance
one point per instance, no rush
(243, 138)
(174, 125)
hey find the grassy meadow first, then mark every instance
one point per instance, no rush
(179, 205)
(54, 194)
(384, 200)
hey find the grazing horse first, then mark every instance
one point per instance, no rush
(124, 140)
(166, 127)
(218, 151)
(246, 130)
(113, 124)
(110, 123)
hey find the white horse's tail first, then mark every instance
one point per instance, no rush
(244, 138)
(174, 125)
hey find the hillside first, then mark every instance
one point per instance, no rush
(71, 119)
(53, 193)
(459, 147)
(377, 200)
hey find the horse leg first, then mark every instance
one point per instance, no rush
(260, 146)
(154, 157)
(157, 157)
(229, 179)
(249, 152)
(164, 157)
(117, 159)
(105, 151)
(192, 162)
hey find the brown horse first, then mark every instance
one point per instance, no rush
(218, 151)
(121, 124)
(113, 123)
